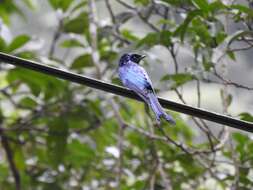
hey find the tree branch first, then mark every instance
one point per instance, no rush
(9, 155)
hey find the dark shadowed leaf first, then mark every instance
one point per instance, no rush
(79, 154)
(246, 116)
(77, 25)
(57, 140)
(28, 102)
(159, 38)
(82, 61)
(38, 83)
(2, 44)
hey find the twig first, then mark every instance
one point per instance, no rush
(235, 184)
(165, 16)
(204, 128)
(241, 49)
(173, 55)
(56, 36)
(229, 82)
(198, 92)
(153, 27)
(108, 5)
(10, 159)
(181, 146)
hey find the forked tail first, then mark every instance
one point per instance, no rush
(158, 110)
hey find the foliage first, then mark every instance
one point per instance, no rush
(62, 136)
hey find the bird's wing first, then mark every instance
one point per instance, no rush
(137, 90)
(145, 74)
(139, 77)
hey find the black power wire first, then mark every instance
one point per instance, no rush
(118, 90)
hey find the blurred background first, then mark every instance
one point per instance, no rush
(59, 135)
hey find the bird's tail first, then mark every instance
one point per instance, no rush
(157, 108)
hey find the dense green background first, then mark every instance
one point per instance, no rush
(57, 135)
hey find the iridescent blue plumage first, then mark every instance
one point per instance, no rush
(134, 77)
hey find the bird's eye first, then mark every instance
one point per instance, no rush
(135, 58)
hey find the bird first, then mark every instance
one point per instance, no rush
(134, 77)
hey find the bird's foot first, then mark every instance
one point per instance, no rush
(158, 122)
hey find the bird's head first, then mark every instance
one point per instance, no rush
(136, 58)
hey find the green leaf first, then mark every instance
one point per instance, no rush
(231, 55)
(71, 43)
(82, 61)
(151, 39)
(4, 172)
(79, 154)
(201, 4)
(246, 116)
(142, 2)
(7, 8)
(3, 44)
(243, 9)
(61, 4)
(199, 31)
(28, 102)
(179, 79)
(108, 56)
(181, 30)
(207, 64)
(240, 138)
(220, 37)
(216, 6)
(30, 3)
(19, 158)
(57, 140)
(229, 99)
(38, 83)
(116, 81)
(27, 55)
(129, 35)
(18, 42)
(78, 25)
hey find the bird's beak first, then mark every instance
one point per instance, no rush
(142, 57)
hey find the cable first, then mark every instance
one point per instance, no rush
(118, 90)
